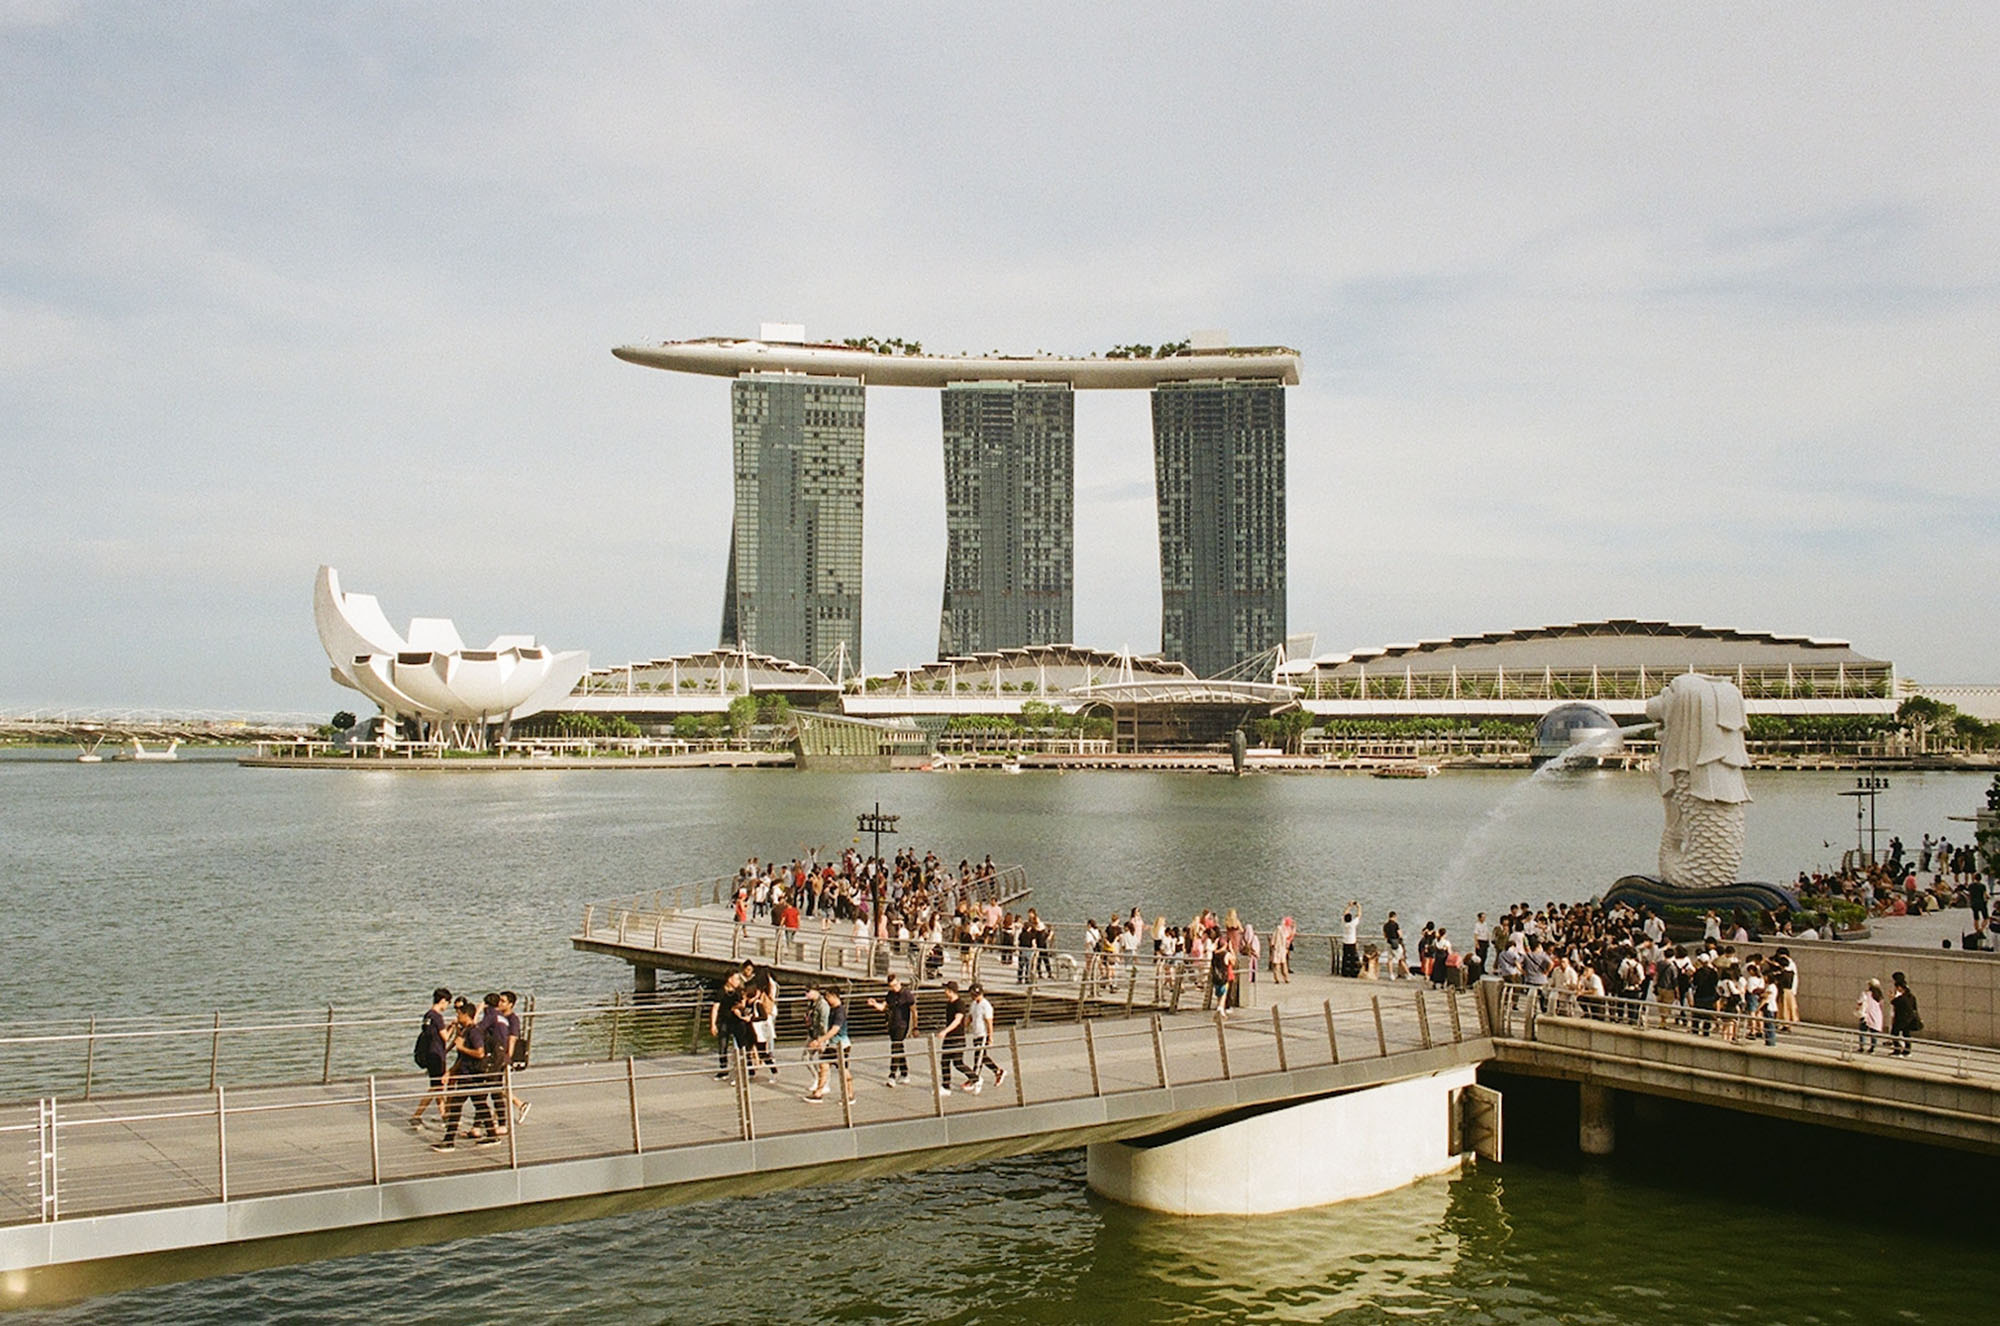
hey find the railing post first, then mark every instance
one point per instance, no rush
(1457, 1025)
(1278, 1035)
(221, 1146)
(739, 1081)
(1381, 1036)
(632, 1097)
(1423, 1021)
(736, 943)
(1090, 1048)
(90, 1058)
(1332, 1040)
(843, 1077)
(660, 934)
(375, 1136)
(822, 953)
(1222, 1043)
(694, 940)
(623, 917)
(326, 1063)
(1160, 1052)
(1014, 1059)
(1131, 983)
(214, 1049)
(588, 909)
(51, 1194)
(937, 1084)
(506, 1112)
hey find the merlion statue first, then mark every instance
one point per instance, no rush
(1701, 779)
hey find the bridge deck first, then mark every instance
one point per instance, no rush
(119, 1179)
(1941, 1094)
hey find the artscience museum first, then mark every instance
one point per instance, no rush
(428, 678)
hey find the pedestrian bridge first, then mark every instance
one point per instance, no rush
(136, 1152)
(231, 1146)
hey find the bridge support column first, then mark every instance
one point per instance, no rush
(1597, 1119)
(645, 980)
(1313, 1153)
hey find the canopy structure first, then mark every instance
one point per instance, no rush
(429, 676)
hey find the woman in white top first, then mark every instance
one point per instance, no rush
(1753, 1001)
(1868, 1017)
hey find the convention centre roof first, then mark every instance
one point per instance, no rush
(1614, 644)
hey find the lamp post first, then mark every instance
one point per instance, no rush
(875, 822)
(1867, 788)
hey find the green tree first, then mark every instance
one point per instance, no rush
(1040, 715)
(742, 715)
(1919, 714)
(774, 709)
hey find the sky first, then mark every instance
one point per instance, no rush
(1687, 312)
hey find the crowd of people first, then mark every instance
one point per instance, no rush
(466, 1049)
(1602, 962)
(1940, 876)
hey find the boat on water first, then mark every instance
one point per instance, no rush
(1412, 770)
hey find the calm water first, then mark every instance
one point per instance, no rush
(200, 885)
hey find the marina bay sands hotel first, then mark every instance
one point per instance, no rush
(794, 583)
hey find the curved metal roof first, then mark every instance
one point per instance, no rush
(764, 670)
(1027, 658)
(1615, 642)
(725, 357)
(1191, 690)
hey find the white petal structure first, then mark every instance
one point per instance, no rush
(430, 674)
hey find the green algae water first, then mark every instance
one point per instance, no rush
(200, 885)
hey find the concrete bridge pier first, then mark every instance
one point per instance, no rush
(1315, 1153)
(645, 980)
(1597, 1119)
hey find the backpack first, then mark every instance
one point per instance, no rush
(423, 1044)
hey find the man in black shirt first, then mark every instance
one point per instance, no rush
(433, 1053)
(953, 1035)
(901, 1007)
(1703, 985)
(468, 1078)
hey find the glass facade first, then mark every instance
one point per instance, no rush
(794, 585)
(1010, 516)
(1219, 471)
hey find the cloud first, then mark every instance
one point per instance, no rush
(1677, 312)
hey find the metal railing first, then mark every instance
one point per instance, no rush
(70, 1158)
(1073, 978)
(1008, 882)
(714, 935)
(1522, 1006)
(99, 1055)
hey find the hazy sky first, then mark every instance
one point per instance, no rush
(1681, 311)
